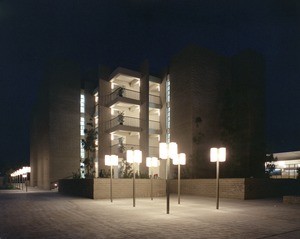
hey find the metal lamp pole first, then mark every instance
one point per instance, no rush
(111, 198)
(217, 155)
(167, 151)
(178, 189)
(134, 156)
(179, 160)
(218, 185)
(133, 184)
(152, 162)
(111, 160)
(151, 169)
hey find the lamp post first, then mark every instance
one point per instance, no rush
(180, 160)
(167, 151)
(217, 155)
(24, 176)
(152, 162)
(133, 156)
(19, 178)
(111, 160)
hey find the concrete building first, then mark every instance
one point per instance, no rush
(203, 100)
(55, 138)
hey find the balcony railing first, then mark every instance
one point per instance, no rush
(121, 148)
(154, 125)
(153, 151)
(154, 99)
(121, 93)
(122, 120)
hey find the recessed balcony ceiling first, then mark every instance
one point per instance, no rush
(121, 79)
(125, 106)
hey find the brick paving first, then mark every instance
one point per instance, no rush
(44, 214)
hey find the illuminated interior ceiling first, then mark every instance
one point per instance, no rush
(123, 133)
(122, 106)
(286, 156)
(154, 111)
(154, 88)
(120, 79)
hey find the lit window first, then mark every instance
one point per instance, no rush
(82, 123)
(96, 98)
(82, 103)
(168, 109)
(96, 121)
(82, 153)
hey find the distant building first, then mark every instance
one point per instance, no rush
(202, 100)
(284, 165)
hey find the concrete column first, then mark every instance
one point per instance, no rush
(144, 114)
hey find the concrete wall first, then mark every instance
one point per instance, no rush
(262, 188)
(237, 188)
(229, 188)
(99, 188)
(77, 187)
(197, 78)
(144, 115)
(55, 140)
(122, 188)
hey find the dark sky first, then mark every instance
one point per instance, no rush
(125, 32)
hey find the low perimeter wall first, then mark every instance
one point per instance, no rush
(238, 188)
(99, 188)
(229, 188)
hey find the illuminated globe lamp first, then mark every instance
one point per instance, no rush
(152, 162)
(217, 155)
(134, 156)
(111, 160)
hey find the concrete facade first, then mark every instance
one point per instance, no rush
(198, 77)
(218, 101)
(54, 148)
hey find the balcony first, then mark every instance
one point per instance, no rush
(153, 151)
(123, 123)
(154, 101)
(154, 127)
(122, 95)
(120, 150)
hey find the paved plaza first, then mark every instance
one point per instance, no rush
(44, 214)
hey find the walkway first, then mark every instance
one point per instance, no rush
(44, 214)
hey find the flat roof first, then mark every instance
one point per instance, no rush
(287, 155)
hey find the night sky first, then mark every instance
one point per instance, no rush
(125, 32)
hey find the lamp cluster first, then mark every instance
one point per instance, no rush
(171, 151)
(111, 160)
(22, 171)
(218, 154)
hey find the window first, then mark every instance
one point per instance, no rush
(82, 123)
(82, 103)
(96, 98)
(82, 153)
(96, 121)
(168, 110)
